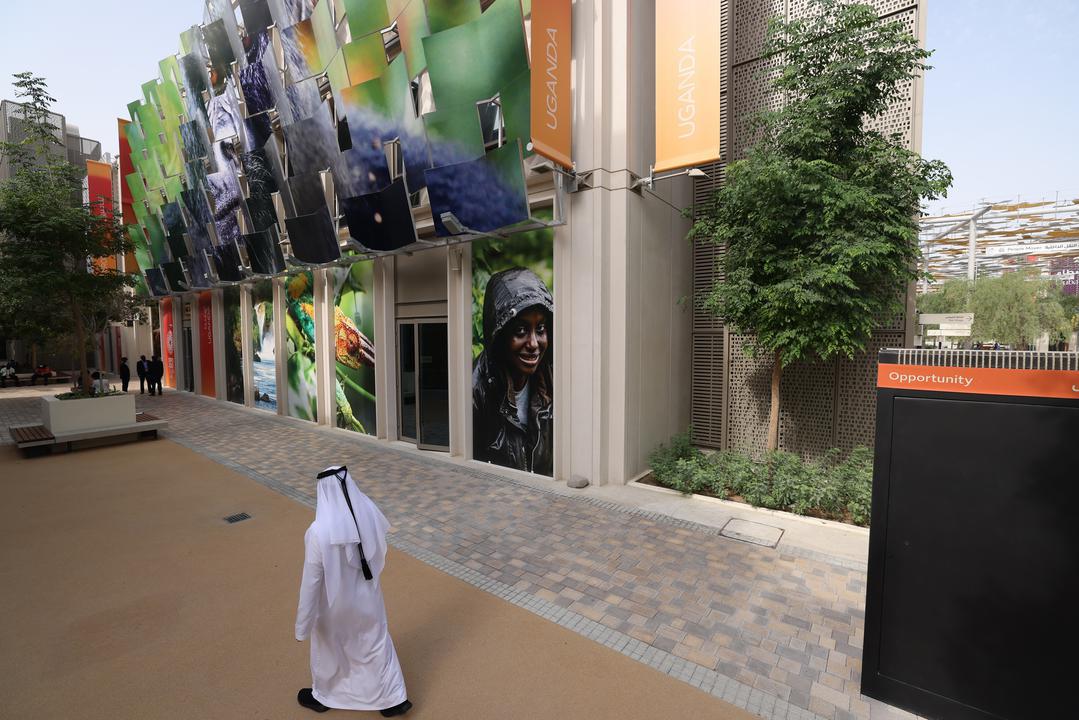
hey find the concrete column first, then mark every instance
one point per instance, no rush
(385, 298)
(459, 329)
(280, 307)
(325, 347)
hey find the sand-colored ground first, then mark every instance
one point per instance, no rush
(123, 594)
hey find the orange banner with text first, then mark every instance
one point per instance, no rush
(206, 344)
(168, 343)
(981, 381)
(552, 49)
(99, 188)
(687, 83)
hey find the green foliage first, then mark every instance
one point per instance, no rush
(818, 221)
(951, 296)
(838, 488)
(50, 285)
(1013, 309)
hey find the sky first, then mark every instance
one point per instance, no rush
(1001, 105)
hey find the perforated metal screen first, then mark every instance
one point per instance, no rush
(822, 405)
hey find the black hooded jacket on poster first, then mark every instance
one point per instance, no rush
(498, 436)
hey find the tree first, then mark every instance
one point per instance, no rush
(952, 296)
(818, 221)
(50, 285)
(1013, 309)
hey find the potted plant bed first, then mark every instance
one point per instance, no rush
(65, 415)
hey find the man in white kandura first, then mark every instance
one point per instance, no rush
(353, 663)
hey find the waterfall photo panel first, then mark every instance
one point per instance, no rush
(263, 352)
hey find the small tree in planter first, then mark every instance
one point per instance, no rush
(818, 221)
(50, 285)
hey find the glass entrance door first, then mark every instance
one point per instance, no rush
(188, 353)
(423, 395)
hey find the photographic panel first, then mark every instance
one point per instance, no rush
(484, 194)
(312, 143)
(308, 193)
(366, 17)
(359, 173)
(381, 221)
(313, 238)
(301, 52)
(174, 276)
(155, 281)
(227, 263)
(264, 251)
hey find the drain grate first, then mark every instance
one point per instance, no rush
(237, 517)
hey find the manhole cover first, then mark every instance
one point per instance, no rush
(752, 532)
(237, 517)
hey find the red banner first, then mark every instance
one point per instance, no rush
(981, 381)
(126, 201)
(168, 346)
(206, 344)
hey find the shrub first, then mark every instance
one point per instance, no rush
(677, 466)
(837, 487)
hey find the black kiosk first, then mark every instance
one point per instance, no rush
(973, 584)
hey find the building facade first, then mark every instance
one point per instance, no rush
(397, 345)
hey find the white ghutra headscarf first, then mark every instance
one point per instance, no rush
(360, 530)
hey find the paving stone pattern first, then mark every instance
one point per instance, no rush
(777, 634)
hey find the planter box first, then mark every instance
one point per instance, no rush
(70, 416)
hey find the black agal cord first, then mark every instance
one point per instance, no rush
(339, 474)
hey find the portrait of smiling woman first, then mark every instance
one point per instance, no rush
(512, 382)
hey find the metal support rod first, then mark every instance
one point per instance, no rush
(972, 249)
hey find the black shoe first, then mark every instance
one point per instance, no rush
(397, 709)
(306, 698)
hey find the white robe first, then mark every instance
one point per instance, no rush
(354, 665)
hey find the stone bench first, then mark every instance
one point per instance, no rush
(29, 437)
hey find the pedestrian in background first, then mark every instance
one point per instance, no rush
(155, 372)
(142, 368)
(125, 374)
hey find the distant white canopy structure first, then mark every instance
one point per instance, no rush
(1002, 236)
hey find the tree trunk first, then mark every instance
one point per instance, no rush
(80, 342)
(773, 413)
(33, 356)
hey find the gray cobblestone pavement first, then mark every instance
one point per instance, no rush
(777, 634)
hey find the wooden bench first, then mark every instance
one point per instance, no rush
(28, 437)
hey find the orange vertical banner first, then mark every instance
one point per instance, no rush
(168, 343)
(206, 344)
(687, 83)
(99, 188)
(552, 49)
(127, 207)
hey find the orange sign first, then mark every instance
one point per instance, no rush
(687, 83)
(99, 188)
(552, 118)
(168, 343)
(981, 381)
